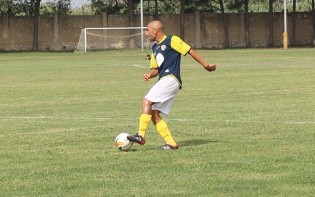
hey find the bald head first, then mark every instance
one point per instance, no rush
(155, 31)
(157, 25)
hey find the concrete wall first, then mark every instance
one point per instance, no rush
(201, 30)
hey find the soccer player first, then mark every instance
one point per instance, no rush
(165, 63)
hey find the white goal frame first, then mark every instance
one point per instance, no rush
(141, 28)
(113, 28)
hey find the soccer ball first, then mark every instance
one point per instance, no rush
(122, 143)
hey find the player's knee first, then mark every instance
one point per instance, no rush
(146, 102)
(146, 105)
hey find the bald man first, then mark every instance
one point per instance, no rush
(165, 63)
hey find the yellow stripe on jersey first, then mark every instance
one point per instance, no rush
(153, 62)
(179, 45)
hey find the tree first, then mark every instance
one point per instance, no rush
(293, 22)
(32, 8)
(131, 23)
(203, 6)
(156, 9)
(52, 7)
(238, 5)
(271, 42)
(182, 18)
(110, 6)
(313, 14)
(225, 24)
(36, 4)
(246, 18)
(235, 5)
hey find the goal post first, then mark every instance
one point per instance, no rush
(111, 38)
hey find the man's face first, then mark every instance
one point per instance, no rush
(150, 33)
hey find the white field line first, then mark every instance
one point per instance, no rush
(36, 133)
(300, 122)
(43, 118)
(136, 118)
(141, 66)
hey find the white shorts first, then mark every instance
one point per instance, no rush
(163, 93)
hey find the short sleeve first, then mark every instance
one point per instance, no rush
(179, 45)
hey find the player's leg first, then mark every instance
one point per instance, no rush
(163, 130)
(160, 98)
(145, 119)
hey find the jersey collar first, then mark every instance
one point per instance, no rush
(164, 37)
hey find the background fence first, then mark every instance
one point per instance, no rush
(200, 30)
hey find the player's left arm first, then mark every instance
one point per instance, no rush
(201, 61)
(180, 46)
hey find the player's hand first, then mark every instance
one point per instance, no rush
(146, 77)
(211, 67)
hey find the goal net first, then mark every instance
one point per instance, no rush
(112, 38)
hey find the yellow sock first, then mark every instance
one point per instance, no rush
(144, 124)
(165, 133)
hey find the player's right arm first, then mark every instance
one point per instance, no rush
(154, 69)
(154, 72)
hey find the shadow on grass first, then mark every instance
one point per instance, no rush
(185, 143)
(196, 142)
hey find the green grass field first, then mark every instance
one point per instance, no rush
(247, 129)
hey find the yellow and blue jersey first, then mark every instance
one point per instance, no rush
(166, 56)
